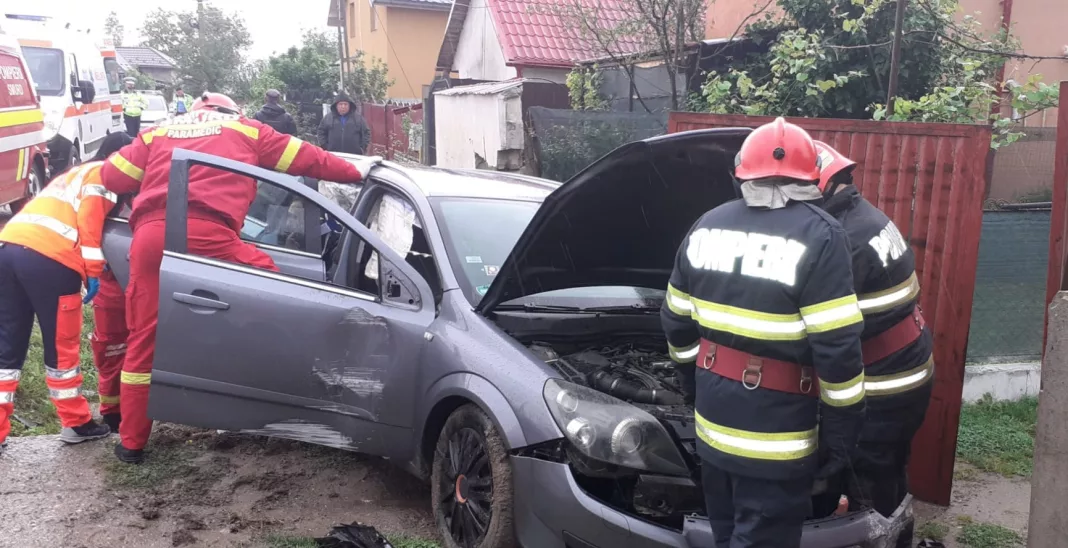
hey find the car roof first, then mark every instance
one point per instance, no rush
(437, 182)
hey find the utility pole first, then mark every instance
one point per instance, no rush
(341, 28)
(200, 36)
(895, 57)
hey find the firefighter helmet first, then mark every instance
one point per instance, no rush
(215, 101)
(832, 163)
(778, 149)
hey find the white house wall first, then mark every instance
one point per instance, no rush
(473, 127)
(479, 54)
(555, 75)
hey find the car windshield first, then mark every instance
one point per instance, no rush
(479, 235)
(155, 102)
(46, 67)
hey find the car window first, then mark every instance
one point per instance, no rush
(111, 68)
(394, 219)
(155, 102)
(276, 218)
(343, 195)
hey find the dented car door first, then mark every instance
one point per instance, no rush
(244, 349)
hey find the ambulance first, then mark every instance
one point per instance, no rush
(113, 72)
(72, 84)
(23, 161)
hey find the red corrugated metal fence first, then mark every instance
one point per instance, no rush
(930, 179)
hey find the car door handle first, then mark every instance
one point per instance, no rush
(202, 302)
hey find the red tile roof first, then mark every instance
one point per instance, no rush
(544, 33)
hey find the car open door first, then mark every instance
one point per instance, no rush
(244, 349)
(299, 255)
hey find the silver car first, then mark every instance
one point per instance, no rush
(495, 334)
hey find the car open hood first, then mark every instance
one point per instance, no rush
(621, 220)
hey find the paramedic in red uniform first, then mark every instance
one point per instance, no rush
(108, 342)
(218, 203)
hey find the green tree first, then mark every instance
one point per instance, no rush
(143, 80)
(308, 77)
(831, 58)
(209, 50)
(114, 29)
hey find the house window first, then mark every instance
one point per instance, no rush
(352, 19)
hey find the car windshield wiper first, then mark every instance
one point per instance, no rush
(530, 307)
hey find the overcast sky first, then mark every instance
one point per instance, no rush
(274, 24)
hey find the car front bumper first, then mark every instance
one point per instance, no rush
(552, 511)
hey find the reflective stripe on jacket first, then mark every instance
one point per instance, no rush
(775, 284)
(133, 103)
(884, 273)
(66, 221)
(144, 165)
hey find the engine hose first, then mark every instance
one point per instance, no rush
(619, 387)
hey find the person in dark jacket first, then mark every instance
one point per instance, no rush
(896, 343)
(274, 115)
(343, 129)
(763, 324)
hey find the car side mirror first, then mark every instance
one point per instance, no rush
(87, 91)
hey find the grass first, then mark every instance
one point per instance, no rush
(31, 401)
(975, 534)
(999, 436)
(166, 463)
(932, 530)
(283, 541)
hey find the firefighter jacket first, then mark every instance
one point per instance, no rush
(214, 195)
(133, 103)
(898, 347)
(65, 222)
(775, 285)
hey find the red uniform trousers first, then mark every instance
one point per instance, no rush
(109, 340)
(206, 238)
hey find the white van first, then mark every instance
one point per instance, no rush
(112, 71)
(69, 73)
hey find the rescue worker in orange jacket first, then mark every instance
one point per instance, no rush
(218, 203)
(47, 251)
(897, 345)
(761, 311)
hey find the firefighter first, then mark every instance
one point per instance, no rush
(47, 251)
(897, 345)
(218, 203)
(761, 310)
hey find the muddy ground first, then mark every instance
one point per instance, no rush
(199, 489)
(980, 497)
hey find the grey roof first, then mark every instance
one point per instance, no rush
(144, 57)
(473, 183)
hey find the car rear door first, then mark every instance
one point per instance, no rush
(244, 349)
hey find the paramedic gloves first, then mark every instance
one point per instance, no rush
(92, 286)
(364, 164)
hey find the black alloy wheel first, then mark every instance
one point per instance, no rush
(471, 483)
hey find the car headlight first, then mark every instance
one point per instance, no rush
(611, 430)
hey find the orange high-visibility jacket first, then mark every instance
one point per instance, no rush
(65, 222)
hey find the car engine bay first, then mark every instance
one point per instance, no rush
(640, 373)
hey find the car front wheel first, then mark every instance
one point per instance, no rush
(34, 187)
(471, 483)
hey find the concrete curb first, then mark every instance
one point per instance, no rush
(1004, 382)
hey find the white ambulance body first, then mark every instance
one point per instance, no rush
(69, 73)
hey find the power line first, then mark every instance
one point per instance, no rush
(374, 13)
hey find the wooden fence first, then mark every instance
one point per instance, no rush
(930, 179)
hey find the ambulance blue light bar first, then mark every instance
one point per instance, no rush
(27, 17)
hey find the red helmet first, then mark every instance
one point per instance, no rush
(216, 101)
(832, 163)
(778, 149)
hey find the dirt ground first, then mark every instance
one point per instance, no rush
(980, 497)
(199, 489)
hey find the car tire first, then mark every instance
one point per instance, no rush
(471, 483)
(36, 185)
(74, 157)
